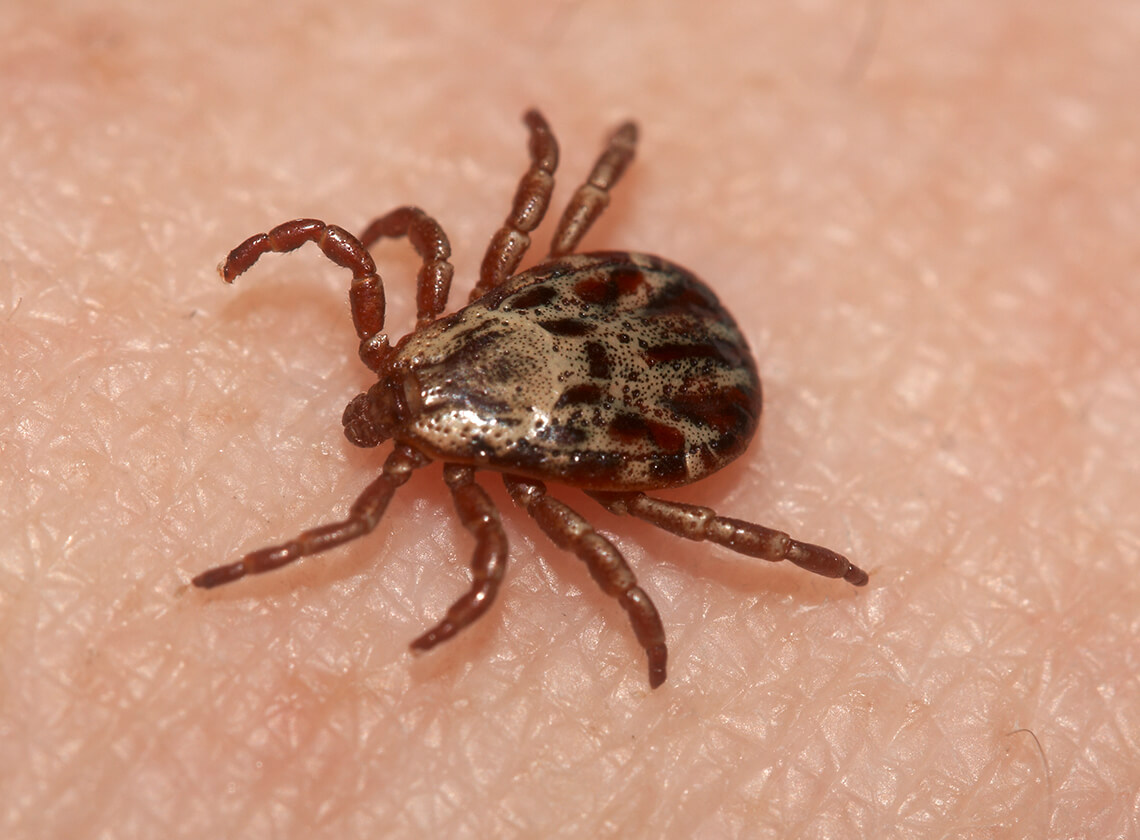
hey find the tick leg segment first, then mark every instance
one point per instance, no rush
(430, 242)
(570, 531)
(594, 195)
(362, 519)
(366, 293)
(489, 563)
(700, 523)
(532, 197)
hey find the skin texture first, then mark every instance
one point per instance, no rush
(923, 218)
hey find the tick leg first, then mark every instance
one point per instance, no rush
(531, 200)
(478, 515)
(344, 249)
(570, 531)
(701, 523)
(594, 195)
(362, 518)
(430, 242)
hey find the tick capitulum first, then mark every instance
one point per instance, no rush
(612, 372)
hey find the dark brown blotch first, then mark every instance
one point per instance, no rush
(611, 281)
(584, 394)
(596, 289)
(628, 279)
(531, 297)
(471, 344)
(627, 428)
(730, 412)
(567, 326)
(667, 438)
(681, 295)
(581, 466)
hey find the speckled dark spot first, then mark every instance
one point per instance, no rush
(680, 352)
(599, 360)
(669, 469)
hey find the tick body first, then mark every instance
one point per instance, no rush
(612, 372)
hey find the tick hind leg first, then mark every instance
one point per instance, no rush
(570, 531)
(532, 197)
(701, 523)
(362, 518)
(429, 240)
(478, 515)
(593, 196)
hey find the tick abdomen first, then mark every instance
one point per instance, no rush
(610, 370)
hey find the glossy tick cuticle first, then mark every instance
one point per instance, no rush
(611, 372)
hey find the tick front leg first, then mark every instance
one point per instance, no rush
(430, 242)
(366, 293)
(700, 523)
(362, 519)
(489, 563)
(532, 197)
(594, 196)
(570, 531)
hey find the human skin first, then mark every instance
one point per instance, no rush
(924, 220)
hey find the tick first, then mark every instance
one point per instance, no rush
(612, 372)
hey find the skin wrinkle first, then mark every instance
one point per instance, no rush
(932, 259)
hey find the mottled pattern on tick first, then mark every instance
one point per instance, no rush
(610, 370)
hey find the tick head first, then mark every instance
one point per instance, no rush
(375, 416)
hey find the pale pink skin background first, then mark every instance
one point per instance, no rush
(923, 215)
